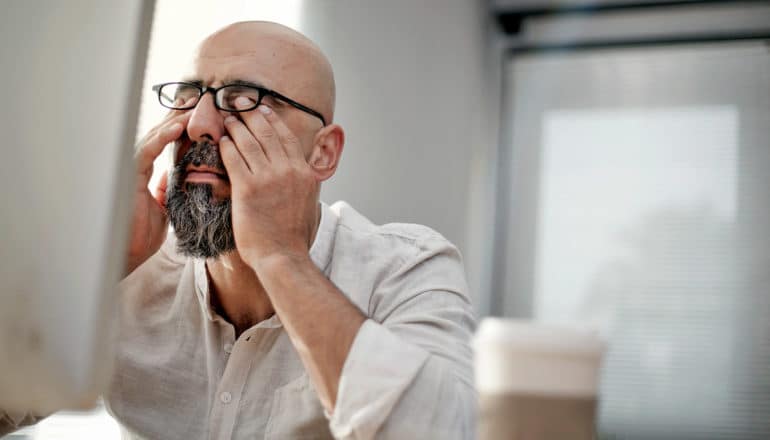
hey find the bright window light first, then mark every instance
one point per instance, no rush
(604, 171)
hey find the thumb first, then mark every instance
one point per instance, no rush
(160, 191)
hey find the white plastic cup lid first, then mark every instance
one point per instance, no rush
(528, 357)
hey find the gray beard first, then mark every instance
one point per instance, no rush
(203, 226)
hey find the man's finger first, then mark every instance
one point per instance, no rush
(262, 131)
(289, 141)
(148, 147)
(235, 163)
(160, 191)
(153, 144)
(248, 146)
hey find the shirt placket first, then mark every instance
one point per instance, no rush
(227, 398)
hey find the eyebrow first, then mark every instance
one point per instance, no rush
(243, 82)
(195, 81)
(227, 81)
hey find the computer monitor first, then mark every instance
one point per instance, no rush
(71, 74)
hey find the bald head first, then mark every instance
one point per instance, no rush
(274, 55)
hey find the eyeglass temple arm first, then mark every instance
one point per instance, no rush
(298, 105)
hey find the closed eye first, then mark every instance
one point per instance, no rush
(273, 102)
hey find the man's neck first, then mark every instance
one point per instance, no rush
(236, 292)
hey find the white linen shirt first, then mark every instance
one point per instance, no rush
(182, 374)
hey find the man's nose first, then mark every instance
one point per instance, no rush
(206, 121)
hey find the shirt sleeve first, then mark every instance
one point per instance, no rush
(409, 370)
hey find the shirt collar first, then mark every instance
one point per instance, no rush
(320, 253)
(323, 245)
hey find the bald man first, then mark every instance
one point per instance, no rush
(267, 313)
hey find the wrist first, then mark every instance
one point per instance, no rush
(278, 261)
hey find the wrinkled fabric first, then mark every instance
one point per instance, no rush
(182, 374)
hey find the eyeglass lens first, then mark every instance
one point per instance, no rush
(227, 95)
(184, 96)
(179, 95)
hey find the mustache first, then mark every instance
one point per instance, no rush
(202, 153)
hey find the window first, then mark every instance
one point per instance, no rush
(638, 201)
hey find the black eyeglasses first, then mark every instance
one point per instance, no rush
(186, 95)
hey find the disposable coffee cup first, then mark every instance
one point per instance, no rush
(536, 381)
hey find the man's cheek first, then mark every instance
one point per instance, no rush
(181, 147)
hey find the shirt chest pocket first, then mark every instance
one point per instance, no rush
(297, 413)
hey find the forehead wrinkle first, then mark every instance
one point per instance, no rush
(286, 60)
(247, 53)
(243, 65)
(234, 80)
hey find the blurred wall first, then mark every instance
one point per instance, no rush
(413, 88)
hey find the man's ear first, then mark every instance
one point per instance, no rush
(327, 150)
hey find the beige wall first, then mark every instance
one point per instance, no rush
(412, 79)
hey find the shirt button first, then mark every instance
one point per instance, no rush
(225, 397)
(228, 348)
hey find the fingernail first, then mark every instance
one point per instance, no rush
(230, 119)
(243, 102)
(264, 109)
(224, 138)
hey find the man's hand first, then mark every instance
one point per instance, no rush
(273, 189)
(275, 212)
(150, 223)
